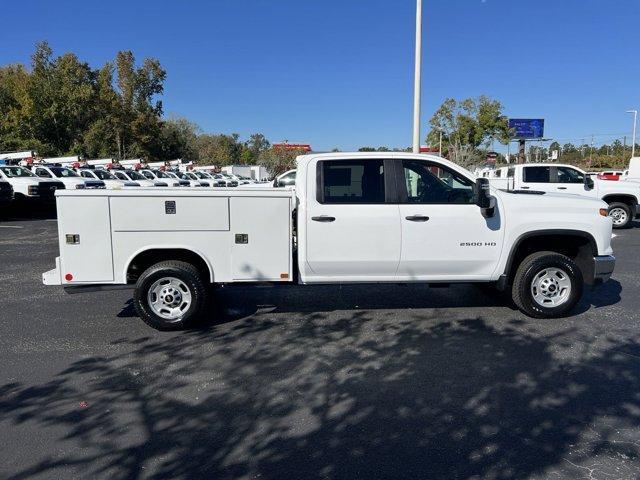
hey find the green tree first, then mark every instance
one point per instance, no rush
(467, 125)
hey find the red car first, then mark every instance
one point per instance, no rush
(610, 175)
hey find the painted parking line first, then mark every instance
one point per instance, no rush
(11, 226)
(613, 235)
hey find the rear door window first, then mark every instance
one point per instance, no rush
(351, 181)
(536, 174)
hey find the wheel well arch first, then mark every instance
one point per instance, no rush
(578, 245)
(143, 259)
(621, 198)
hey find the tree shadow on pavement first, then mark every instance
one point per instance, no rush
(353, 397)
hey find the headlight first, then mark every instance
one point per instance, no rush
(80, 186)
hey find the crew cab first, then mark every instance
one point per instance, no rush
(27, 186)
(352, 218)
(184, 182)
(67, 176)
(134, 176)
(109, 179)
(159, 177)
(622, 198)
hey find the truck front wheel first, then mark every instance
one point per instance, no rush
(620, 213)
(547, 285)
(170, 295)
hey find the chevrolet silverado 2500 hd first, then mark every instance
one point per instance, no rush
(622, 198)
(360, 217)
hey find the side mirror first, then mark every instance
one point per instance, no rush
(483, 197)
(481, 193)
(588, 182)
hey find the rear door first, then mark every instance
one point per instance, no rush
(353, 228)
(537, 177)
(444, 235)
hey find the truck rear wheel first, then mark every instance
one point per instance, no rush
(170, 295)
(620, 213)
(547, 285)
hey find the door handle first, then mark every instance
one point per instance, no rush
(323, 218)
(417, 218)
(562, 188)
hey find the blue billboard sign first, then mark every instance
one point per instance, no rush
(526, 127)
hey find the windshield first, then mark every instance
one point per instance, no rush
(104, 175)
(133, 175)
(160, 174)
(201, 175)
(62, 172)
(170, 175)
(13, 172)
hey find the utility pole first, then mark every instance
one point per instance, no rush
(417, 79)
(440, 145)
(633, 139)
(624, 147)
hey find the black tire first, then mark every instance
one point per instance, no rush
(189, 276)
(616, 206)
(531, 267)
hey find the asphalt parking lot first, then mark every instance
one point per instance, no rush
(367, 381)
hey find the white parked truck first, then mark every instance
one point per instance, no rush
(27, 187)
(622, 198)
(67, 176)
(352, 218)
(109, 179)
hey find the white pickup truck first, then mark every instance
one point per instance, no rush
(352, 218)
(622, 198)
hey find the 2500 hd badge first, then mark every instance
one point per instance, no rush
(478, 244)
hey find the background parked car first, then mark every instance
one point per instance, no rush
(161, 177)
(193, 179)
(67, 176)
(133, 176)
(107, 177)
(27, 186)
(207, 177)
(610, 175)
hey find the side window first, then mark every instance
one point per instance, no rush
(429, 183)
(41, 172)
(569, 175)
(121, 176)
(536, 175)
(86, 174)
(511, 172)
(149, 175)
(351, 181)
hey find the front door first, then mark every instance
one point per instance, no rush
(353, 232)
(444, 235)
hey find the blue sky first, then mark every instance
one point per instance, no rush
(339, 73)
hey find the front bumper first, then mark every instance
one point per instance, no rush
(603, 268)
(637, 212)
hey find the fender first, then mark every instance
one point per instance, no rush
(169, 247)
(504, 278)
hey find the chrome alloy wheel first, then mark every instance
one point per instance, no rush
(551, 287)
(169, 298)
(618, 215)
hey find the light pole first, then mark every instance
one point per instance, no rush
(633, 139)
(416, 80)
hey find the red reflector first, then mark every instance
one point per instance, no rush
(68, 277)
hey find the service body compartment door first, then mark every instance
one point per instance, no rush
(86, 220)
(261, 236)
